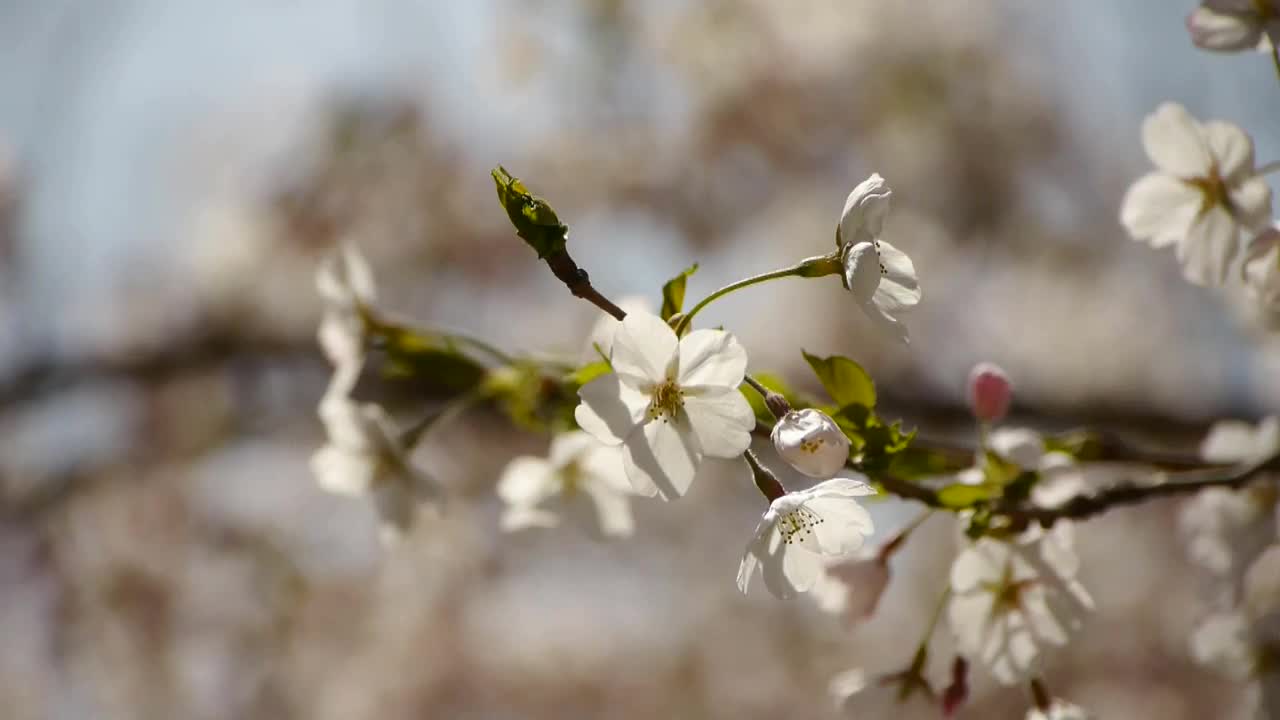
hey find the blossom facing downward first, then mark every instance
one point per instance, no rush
(800, 530)
(1261, 268)
(365, 456)
(1204, 192)
(881, 277)
(989, 392)
(577, 467)
(668, 403)
(1011, 600)
(1234, 25)
(345, 284)
(811, 442)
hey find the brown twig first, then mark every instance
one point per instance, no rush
(579, 283)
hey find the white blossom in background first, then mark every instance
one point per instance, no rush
(1026, 448)
(1058, 710)
(364, 456)
(852, 587)
(1234, 25)
(801, 530)
(881, 277)
(1226, 529)
(1203, 194)
(1243, 643)
(1261, 268)
(1010, 601)
(668, 403)
(811, 442)
(346, 286)
(578, 468)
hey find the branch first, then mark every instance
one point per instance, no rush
(579, 283)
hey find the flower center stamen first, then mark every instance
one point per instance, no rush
(798, 524)
(666, 400)
(1213, 191)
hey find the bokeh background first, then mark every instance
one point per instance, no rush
(171, 170)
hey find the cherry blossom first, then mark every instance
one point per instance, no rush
(668, 403)
(801, 529)
(1261, 268)
(811, 442)
(881, 277)
(1058, 710)
(852, 587)
(577, 468)
(1203, 194)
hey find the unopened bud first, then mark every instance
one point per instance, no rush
(811, 442)
(989, 392)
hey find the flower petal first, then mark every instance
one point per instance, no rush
(1232, 149)
(644, 346)
(1251, 201)
(1223, 32)
(527, 480)
(664, 457)
(865, 211)
(1209, 247)
(845, 525)
(1159, 209)
(899, 289)
(801, 568)
(722, 420)
(610, 409)
(712, 358)
(613, 510)
(892, 326)
(1173, 141)
(343, 473)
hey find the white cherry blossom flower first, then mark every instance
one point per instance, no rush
(1010, 601)
(1058, 709)
(1231, 441)
(1204, 192)
(1261, 268)
(1060, 477)
(600, 341)
(365, 456)
(800, 530)
(881, 277)
(668, 403)
(345, 283)
(578, 468)
(1234, 25)
(811, 442)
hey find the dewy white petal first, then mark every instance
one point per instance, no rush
(1159, 209)
(611, 409)
(663, 456)
(1209, 247)
(722, 420)
(865, 211)
(1174, 142)
(1232, 150)
(899, 289)
(712, 358)
(645, 346)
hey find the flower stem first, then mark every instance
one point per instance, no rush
(809, 267)
(922, 650)
(776, 403)
(1275, 56)
(413, 434)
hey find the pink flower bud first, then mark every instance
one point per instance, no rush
(989, 392)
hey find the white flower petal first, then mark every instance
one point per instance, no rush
(342, 472)
(801, 568)
(610, 409)
(1232, 149)
(1022, 446)
(664, 456)
(645, 346)
(722, 420)
(891, 326)
(861, 270)
(1174, 142)
(845, 525)
(613, 509)
(865, 210)
(527, 480)
(712, 358)
(899, 288)
(521, 517)
(1209, 247)
(1251, 200)
(1159, 209)
(1221, 31)
(343, 278)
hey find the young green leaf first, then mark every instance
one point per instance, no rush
(959, 496)
(534, 219)
(845, 380)
(673, 292)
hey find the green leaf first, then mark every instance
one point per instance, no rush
(959, 496)
(588, 372)
(534, 219)
(427, 358)
(998, 471)
(1079, 444)
(845, 380)
(673, 292)
(915, 462)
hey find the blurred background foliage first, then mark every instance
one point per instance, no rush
(170, 171)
